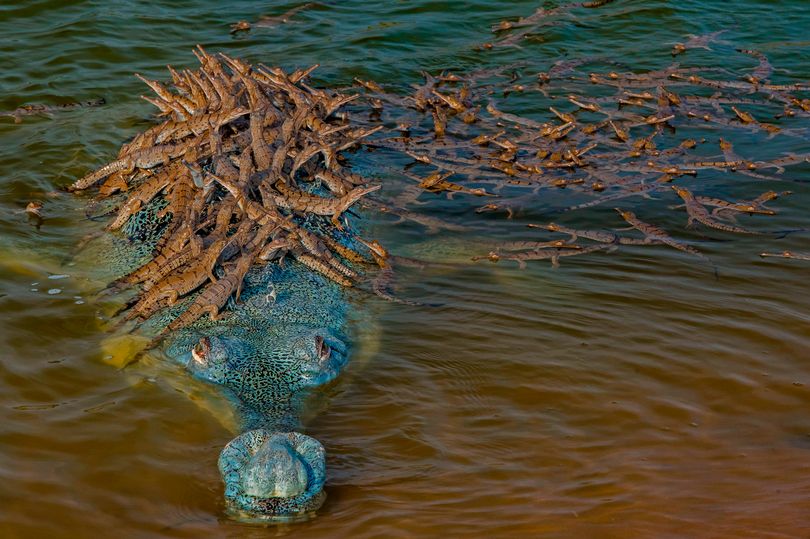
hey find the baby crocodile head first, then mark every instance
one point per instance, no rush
(273, 475)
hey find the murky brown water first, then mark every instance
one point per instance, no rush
(629, 394)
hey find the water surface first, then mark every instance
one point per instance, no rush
(629, 394)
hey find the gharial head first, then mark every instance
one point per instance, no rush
(273, 475)
(268, 475)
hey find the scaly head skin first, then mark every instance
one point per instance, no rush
(273, 475)
(685, 194)
(302, 358)
(275, 471)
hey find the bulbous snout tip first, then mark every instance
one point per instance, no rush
(277, 470)
(273, 475)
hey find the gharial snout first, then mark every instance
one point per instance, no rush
(273, 474)
(276, 470)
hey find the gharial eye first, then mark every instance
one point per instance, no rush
(322, 348)
(200, 350)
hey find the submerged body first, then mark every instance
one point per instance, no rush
(266, 352)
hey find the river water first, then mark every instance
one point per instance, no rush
(629, 394)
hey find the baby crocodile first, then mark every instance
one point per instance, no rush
(143, 159)
(700, 214)
(39, 108)
(756, 205)
(787, 254)
(596, 235)
(655, 233)
(545, 254)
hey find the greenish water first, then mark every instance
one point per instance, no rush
(630, 394)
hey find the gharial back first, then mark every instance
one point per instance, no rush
(113, 254)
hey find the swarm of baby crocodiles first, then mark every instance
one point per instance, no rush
(234, 163)
(601, 135)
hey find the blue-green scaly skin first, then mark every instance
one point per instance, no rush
(264, 351)
(236, 457)
(283, 338)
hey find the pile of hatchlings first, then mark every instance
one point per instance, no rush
(244, 156)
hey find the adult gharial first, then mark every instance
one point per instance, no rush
(230, 230)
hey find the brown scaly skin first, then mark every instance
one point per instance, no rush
(169, 97)
(198, 125)
(141, 196)
(312, 244)
(698, 213)
(318, 265)
(213, 297)
(260, 117)
(167, 108)
(787, 254)
(315, 254)
(197, 96)
(722, 206)
(28, 110)
(553, 254)
(349, 254)
(178, 284)
(444, 185)
(756, 206)
(241, 26)
(180, 195)
(532, 245)
(175, 253)
(451, 101)
(223, 166)
(439, 122)
(222, 219)
(433, 179)
(304, 202)
(165, 266)
(653, 232)
(303, 156)
(595, 235)
(334, 182)
(114, 183)
(143, 159)
(209, 100)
